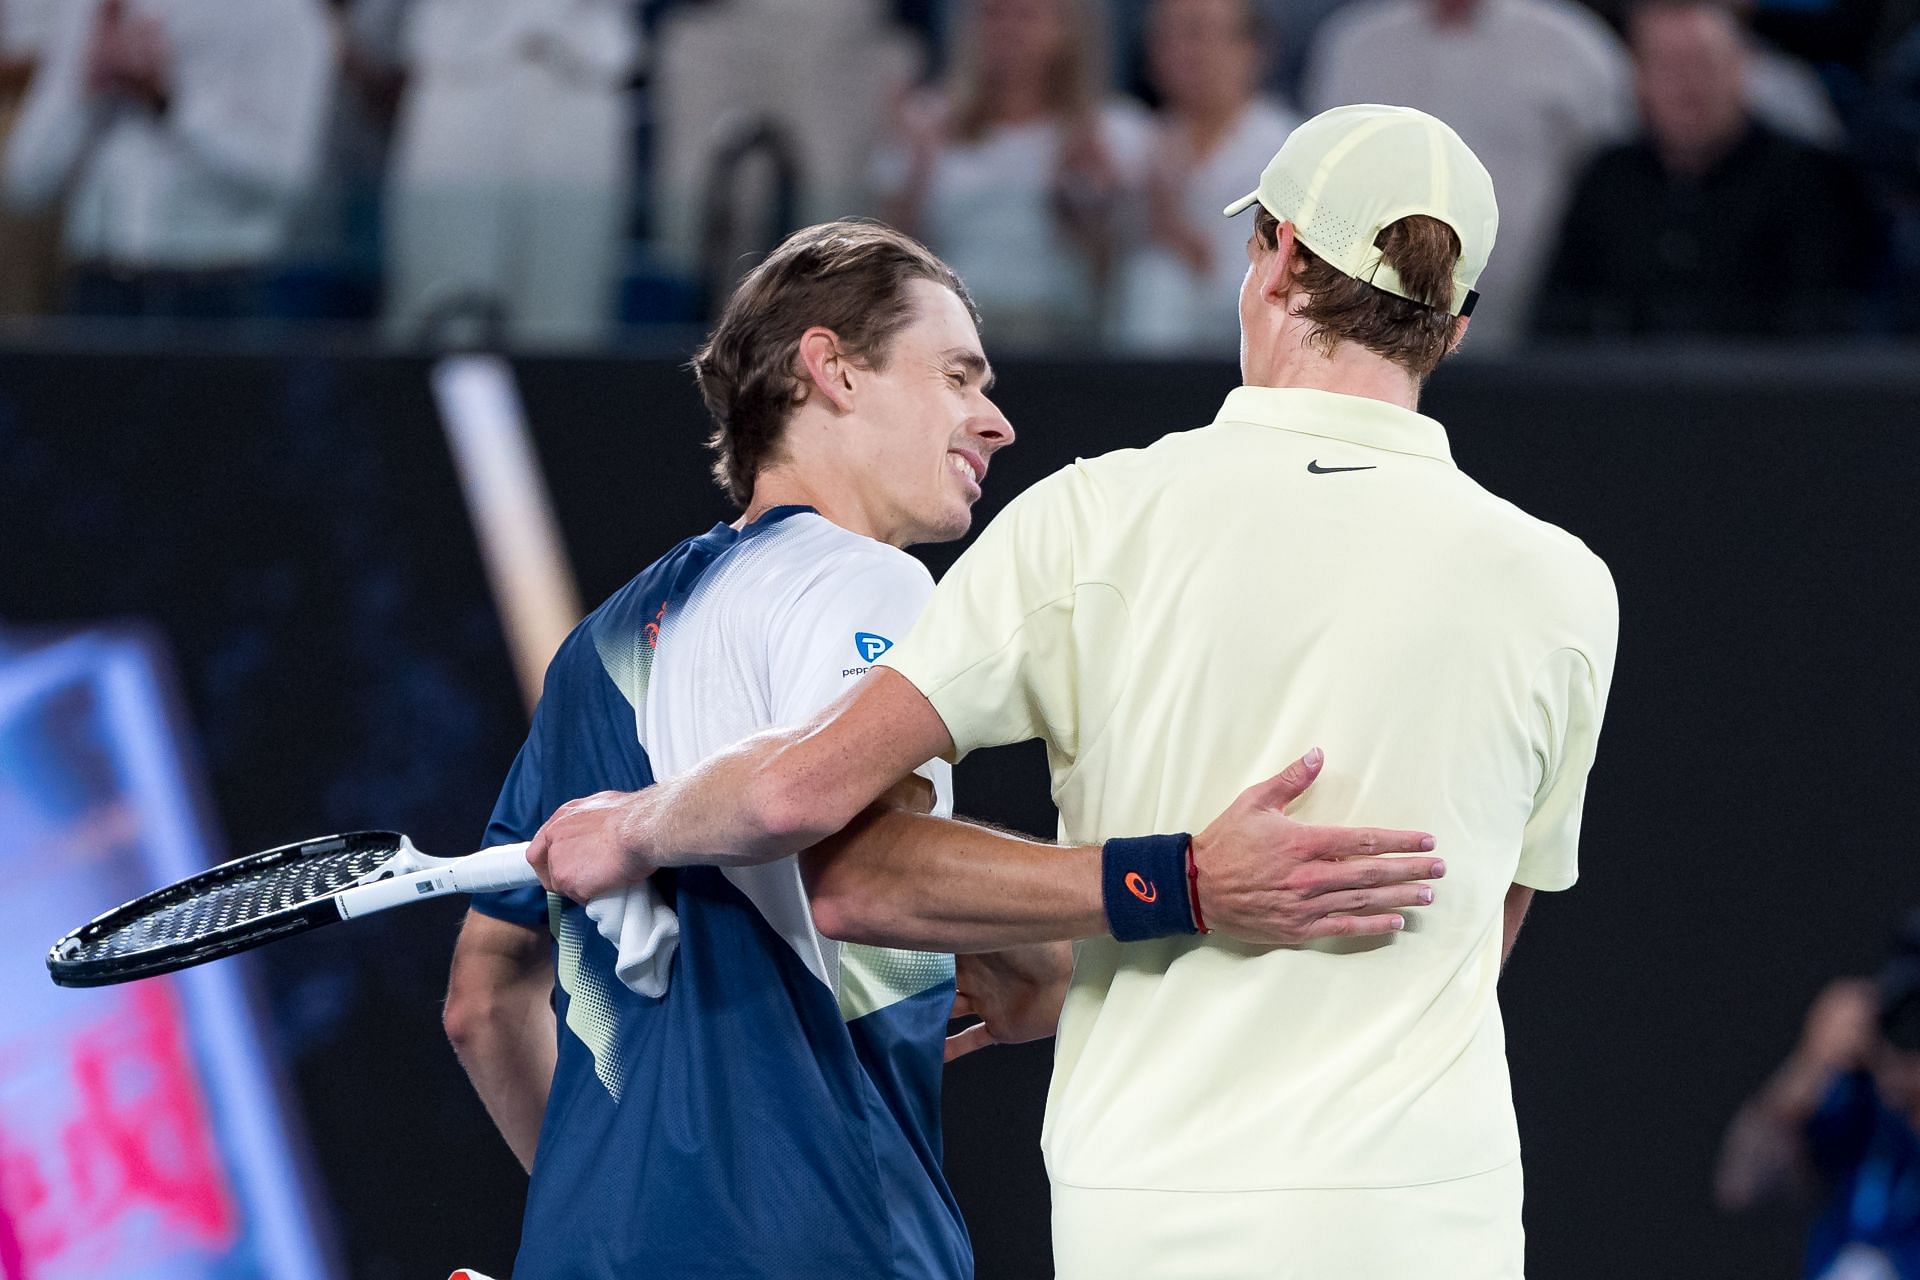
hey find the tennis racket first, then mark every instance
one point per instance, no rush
(252, 901)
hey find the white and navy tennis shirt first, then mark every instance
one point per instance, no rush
(777, 1112)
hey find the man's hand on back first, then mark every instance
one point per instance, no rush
(1016, 994)
(1267, 879)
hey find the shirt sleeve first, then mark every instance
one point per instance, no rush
(521, 798)
(581, 742)
(1570, 697)
(834, 630)
(994, 651)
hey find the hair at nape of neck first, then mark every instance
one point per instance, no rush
(1415, 335)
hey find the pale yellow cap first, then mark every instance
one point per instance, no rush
(1349, 173)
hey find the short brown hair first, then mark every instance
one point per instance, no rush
(850, 277)
(1415, 335)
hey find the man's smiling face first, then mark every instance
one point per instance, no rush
(926, 427)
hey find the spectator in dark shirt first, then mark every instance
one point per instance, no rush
(1710, 223)
(1838, 1122)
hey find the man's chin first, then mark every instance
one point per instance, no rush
(951, 527)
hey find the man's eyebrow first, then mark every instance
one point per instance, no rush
(975, 365)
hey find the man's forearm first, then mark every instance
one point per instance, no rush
(510, 1060)
(735, 809)
(788, 789)
(902, 879)
(499, 1016)
(750, 804)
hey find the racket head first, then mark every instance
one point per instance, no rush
(234, 907)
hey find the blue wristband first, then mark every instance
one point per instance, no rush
(1143, 884)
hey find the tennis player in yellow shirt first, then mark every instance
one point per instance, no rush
(1177, 622)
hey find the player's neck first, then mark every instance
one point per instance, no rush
(1349, 370)
(784, 486)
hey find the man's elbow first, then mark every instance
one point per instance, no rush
(835, 917)
(468, 1018)
(844, 909)
(848, 902)
(479, 1009)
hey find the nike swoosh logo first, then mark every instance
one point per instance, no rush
(1319, 470)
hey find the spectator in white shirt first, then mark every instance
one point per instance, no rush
(183, 133)
(1533, 86)
(1184, 264)
(1013, 173)
(512, 170)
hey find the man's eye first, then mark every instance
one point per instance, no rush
(957, 379)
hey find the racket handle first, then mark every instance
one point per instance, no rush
(489, 871)
(504, 866)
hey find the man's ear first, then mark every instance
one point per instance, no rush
(1459, 333)
(1277, 276)
(829, 372)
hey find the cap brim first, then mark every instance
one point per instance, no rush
(1241, 205)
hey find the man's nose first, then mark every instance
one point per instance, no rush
(992, 428)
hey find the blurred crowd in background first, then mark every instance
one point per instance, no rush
(565, 173)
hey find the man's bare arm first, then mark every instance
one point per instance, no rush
(898, 878)
(1263, 877)
(866, 882)
(499, 1016)
(1514, 914)
(894, 878)
(771, 795)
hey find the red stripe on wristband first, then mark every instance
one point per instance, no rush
(1193, 891)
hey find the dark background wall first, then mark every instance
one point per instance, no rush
(291, 523)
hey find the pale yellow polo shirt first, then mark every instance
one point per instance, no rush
(1181, 621)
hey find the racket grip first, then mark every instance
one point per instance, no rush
(504, 866)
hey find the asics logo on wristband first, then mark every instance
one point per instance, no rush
(1133, 871)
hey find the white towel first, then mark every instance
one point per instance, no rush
(644, 933)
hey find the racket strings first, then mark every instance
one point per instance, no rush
(232, 904)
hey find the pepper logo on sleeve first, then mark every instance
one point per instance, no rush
(870, 646)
